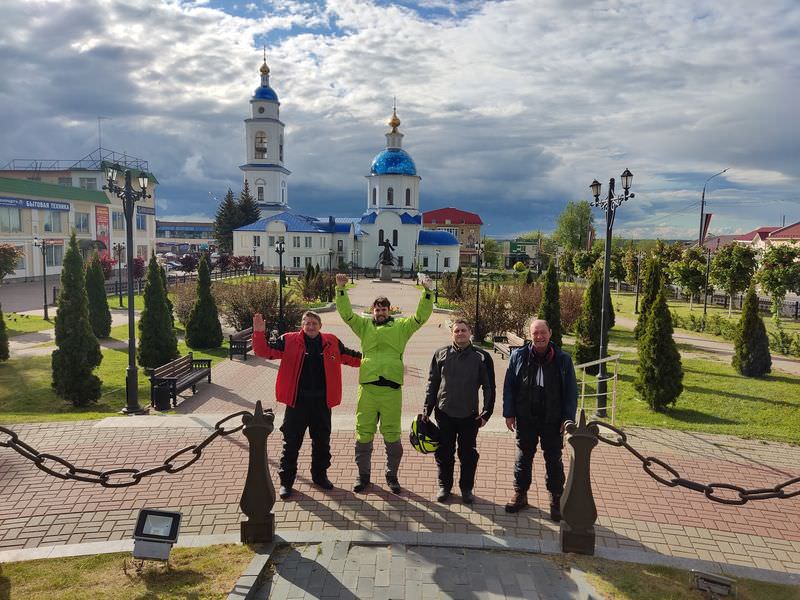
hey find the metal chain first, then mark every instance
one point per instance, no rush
(736, 495)
(119, 477)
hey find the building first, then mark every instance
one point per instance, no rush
(785, 235)
(392, 207)
(465, 226)
(762, 238)
(524, 251)
(182, 237)
(48, 199)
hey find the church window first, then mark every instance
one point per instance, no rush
(280, 151)
(261, 193)
(408, 196)
(374, 196)
(295, 241)
(296, 262)
(446, 262)
(425, 262)
(394, 237)
(390, 197)
(261, 145)
(380, 236)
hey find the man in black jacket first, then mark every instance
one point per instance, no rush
(457, 372)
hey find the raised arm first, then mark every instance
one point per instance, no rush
(261, 347)
(345, 310)
(424, 310)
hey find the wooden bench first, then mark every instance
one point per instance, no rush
(240, 343)
(180, 374)
(504, 345)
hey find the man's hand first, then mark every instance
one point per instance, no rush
(426, 282)
(511, 423)
(258, 323)
(481, 421)
(341, 279)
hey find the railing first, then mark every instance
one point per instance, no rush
(610, 377)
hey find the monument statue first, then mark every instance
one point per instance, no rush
(386, 253)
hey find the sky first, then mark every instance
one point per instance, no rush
(510, 108)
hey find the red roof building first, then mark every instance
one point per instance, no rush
(466, 226)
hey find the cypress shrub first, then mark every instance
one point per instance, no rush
(170, 307)
(587, 330)
(77, 351)
(550, 310)
(203, 329)
(751, 355)
(4, 353)
(99, 314)
(659, 374)
(652, 285)
(158, 343)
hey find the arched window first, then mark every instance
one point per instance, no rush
(390, 197)
(380, 236)
(394, 238)
(261, 193)
(408, 196)
(261, 144)
(374, 196)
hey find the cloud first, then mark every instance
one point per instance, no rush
(511, 104)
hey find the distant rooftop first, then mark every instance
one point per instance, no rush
(94, 161)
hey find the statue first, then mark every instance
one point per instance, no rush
(386, 253)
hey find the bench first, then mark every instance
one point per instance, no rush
(180, 374)
(504, 345)
(240, 343)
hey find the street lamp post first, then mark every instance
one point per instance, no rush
(436, 298)
(609, 205)
(118, 250)
(330, 275)
(479, 246)
(42, 243)
(129, 197)
(703, 205)
(253, 266)
(280, 248)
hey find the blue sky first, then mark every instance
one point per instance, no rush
(509, 108)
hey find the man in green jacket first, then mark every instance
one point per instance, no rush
(380, 377)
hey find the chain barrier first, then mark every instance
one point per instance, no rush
(119, 477)
(733, 494)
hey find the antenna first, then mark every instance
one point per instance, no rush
(100, 131)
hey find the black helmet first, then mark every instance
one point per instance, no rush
(424, 435)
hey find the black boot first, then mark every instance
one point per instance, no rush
(285, 492)
(393, 483)
(555, 508)
(322, 481)
(362, 483)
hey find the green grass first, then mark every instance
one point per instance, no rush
(17, 324)
(193, 573)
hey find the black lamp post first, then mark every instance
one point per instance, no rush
(479, 246)
(436, 293)
(330, 275)
(42, 244)
(609, 204)
(280, 248)
(253, 266)
(118, 250)
(129, 197)
(703, 205)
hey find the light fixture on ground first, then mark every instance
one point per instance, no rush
(42, 244)
(129, 197)
(609, 204)
(280, 248)
(156, 532)
(118, 250)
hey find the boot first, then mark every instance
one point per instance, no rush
(321, 481)
(362, 483)
(443, 495)
(394, 452)
(393, 483)
(555, 508)
(518, 501)
(285, 492)
(467, 497)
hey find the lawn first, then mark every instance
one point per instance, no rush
(193, 573)
(17, 324)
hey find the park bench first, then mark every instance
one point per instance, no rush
(240, 343)
(178, 375)
(504, 345)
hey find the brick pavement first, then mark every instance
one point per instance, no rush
(635, 513)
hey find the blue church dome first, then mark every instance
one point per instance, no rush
(265, 92)
(393, 161)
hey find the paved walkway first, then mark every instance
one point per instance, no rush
(637, 518)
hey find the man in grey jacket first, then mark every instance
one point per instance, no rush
(457, 372)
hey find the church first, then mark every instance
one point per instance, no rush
(392, 208)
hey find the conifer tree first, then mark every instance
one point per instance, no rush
(587, 329)
(652, 285)
(751, 356)
(659, 378)
(99, 313)
(248, 207)
(550, 310)
(77, 351)
(4, 353)
(158, 343)
(203, 329)
(170, 306)
(227, 219)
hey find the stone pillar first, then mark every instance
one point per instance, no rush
(258, 496)
(578, 509)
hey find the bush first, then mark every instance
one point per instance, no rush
(524, 301)
(659, 374)
(570, 300)
(652, 286)
(587, 330)
(238, 303)
(550, 309)
(751, 347)
(77, 351)
(158, 343)
(170, 307)
(99, 314)
(495, 301)
(184, 301)
(203, 329)
(519, 266)
(4, 354)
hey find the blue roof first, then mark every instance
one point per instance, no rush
(265, 92)
(393, 161)
(369, 218)
(407, 219)
(300, 223)
(436, 238)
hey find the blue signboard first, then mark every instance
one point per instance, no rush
(145, 210)
(34, 204)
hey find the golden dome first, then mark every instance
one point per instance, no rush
(264, 68)
(394, 122)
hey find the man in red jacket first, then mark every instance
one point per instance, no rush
(309, 383)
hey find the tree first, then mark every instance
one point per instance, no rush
(584, 262)
(170, 307)
(550, 310)
(138, 267)
(203, 329)
(690, 271)
(652, 286)
(617, 266)
(492, 255)
(575, 226)
(567, 265)
(629, 262)
(659, 374)
(158, 343)
(9, 256)
(188, 263)
(99, 313)
(4, 351)
(751, 355)
(667, 254)
(107, 264)
(77, 351)
(732, 269)
(226, 220)
(587, 330)
(779, 274)
(248, 208)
